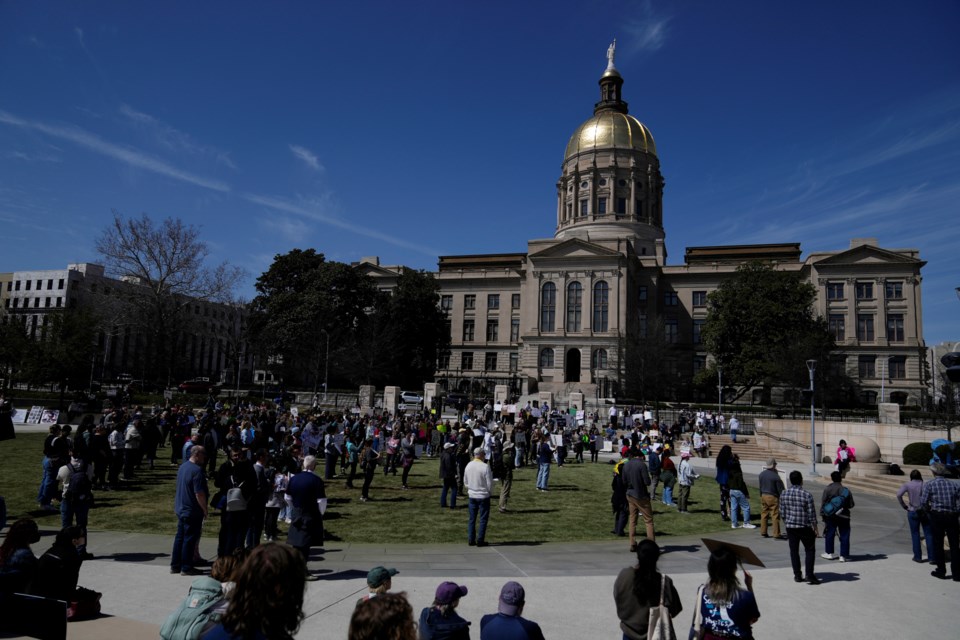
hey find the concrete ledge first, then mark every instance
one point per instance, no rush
(107, 626)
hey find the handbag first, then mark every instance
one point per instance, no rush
(695, 627)
(661, 625)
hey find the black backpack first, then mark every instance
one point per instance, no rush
(79, 488)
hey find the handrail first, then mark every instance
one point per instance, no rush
(782, 439)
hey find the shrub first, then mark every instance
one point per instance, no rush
(917, 453)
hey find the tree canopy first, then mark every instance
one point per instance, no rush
(761, 328)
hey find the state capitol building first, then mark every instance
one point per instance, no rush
(560, 317)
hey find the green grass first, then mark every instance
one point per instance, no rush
(577, 507)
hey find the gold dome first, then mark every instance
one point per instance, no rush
(611, 130)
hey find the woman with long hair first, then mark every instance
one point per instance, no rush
(723, 478)
(637, 589)
(386, 617)
(17, 562)
(267, 598)
(728, 610)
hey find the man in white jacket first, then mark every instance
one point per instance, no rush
(478, 479)
(686, 475)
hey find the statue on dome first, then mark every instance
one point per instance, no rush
(611, 52)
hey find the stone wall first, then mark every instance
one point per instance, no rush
(891, 438)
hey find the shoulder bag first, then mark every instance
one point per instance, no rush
(661, 625)
(696, 630)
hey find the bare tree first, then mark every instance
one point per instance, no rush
(163, 266)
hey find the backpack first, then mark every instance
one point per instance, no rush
(197, 613)
(79, 488)
(235, 498)
(834, 505)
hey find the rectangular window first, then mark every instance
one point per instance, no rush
(836, 325)
(621, 206)
(443, 362)
(468, 330)
(601, 206)
(515, 330)
(834, 291)
(448, 328)
(894, 290)
(642, 294)
(466, 360)
(867, 367)
(49, 284)
(898, 368)
(865, 327)
(6, 303)
(671, 330)
(36, 303)
(548, 307)
(446, 303)
(15, 302)
(515, 301)
(864, 291)
(493, 330)
(29, 282)
(10, 285)
(490, 361)
(60, 284)
(699, 298)
(39, 285)
(698, 331)
(514, 362)
(895, 327)
(670, 298)
(493, 301)
(639, 207)
(642, 322)
(48, 302)
(18, 285)
(583, 207)
(469, 301)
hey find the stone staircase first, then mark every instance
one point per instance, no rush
(745, 447)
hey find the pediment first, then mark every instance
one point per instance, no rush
(866, 254)
(375, 271)
(575, 248)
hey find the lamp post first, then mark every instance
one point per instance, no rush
(326, 365)
(719, 391)
(812, 367)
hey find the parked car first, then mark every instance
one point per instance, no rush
(457, 400)
(411, 397)
(198, 385)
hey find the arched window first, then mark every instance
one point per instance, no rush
(546, 358)
(574, 306)
(601, 305)
(548, 307)
(600, 359)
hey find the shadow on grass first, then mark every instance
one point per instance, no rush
(132, 557)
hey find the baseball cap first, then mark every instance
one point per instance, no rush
(448, 592)
(512, 597)
(684, 453)
(378, 575)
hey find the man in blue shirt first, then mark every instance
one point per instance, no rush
(507, 624)
(190, 506)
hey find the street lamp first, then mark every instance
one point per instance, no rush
(719, 391)
(326, 365)
(812, 366)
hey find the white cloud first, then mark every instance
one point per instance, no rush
(308, 157)
(172, 138)
(647, 32)
(128, 155)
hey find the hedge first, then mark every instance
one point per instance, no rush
(917, 453)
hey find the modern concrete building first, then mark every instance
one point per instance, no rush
(561, 316)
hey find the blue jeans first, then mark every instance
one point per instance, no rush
(48, 482)
(915, 526)
(832, 526)
(478, 507)
(733, 435)
(449, 485)
(543, 475)
(667, 495)
(185, 542)
(518, 457)
(738, 501)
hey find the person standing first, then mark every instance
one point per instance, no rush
(408, 450)
(653, 468)
(506, 475)
(52, 461)
(728, 611)
(507, 623)
(640, 588)
(800, 518)
(258, 501)
(734, 428)
(771, 486)
(668, 475)
(77, 496)
(478, 479)
(686, 475)
(942, 498)
(835, 505)
(637, 479)
(448, 475)
(723, 478)
(739, 495)
(191, 509)
(307, 500)
(368, 463)
(6, 419)
(917, 517)
(544, 459)
(234, 474)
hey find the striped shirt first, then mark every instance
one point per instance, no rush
(797, 509)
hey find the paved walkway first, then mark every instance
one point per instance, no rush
(569, 586)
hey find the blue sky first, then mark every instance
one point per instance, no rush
(412, 130)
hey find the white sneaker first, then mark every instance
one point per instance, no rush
(734, 526)
(842, 559)
(747, 525)
(828, 556)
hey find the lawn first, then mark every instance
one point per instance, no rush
(577, 507)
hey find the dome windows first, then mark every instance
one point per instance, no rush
(622, 183)
(583, 185)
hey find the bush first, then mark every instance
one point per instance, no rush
(917, 453)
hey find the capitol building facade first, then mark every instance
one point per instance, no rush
(561, 316)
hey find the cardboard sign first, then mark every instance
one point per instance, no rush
(34, 416)
(744, 554)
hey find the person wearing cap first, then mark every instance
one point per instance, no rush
(771, 486)
(507, 623)
(440, 621)
(379, 581)
(478, 479)
(448, 475)
(942, 499)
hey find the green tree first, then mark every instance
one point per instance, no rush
(15, 348)
(761, 329)
(64, 350)
(650, 359)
